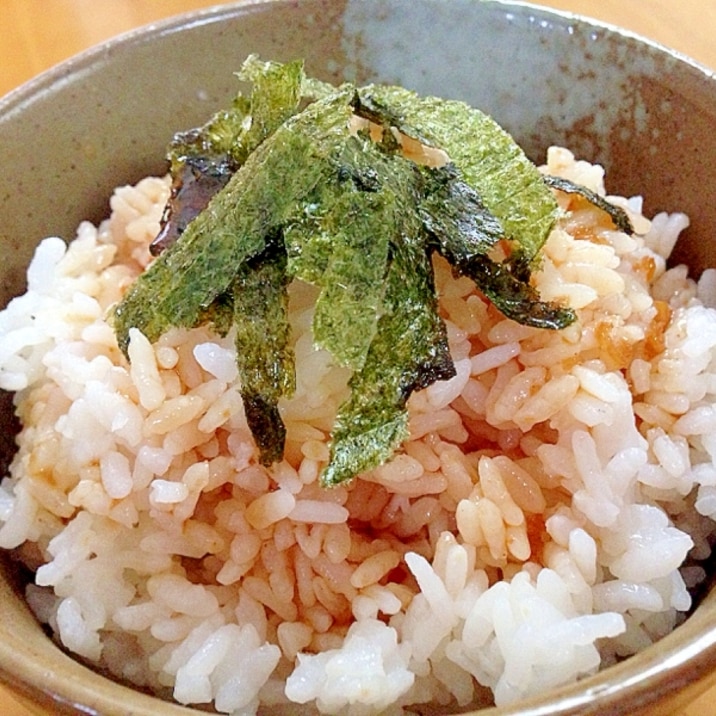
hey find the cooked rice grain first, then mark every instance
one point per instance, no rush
(543, 518)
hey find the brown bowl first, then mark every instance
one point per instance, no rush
(104, 119)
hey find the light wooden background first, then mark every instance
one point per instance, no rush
(36, 34)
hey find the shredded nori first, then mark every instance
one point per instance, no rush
(373, 422)
(194, 183)
(456, 216)
(305, 196)
(263, 355)
(344, 249)
(258, 199)
(203, 160)
(516, 298)
(489, 160)
(616, 213)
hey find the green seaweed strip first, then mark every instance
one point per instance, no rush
(490, 161)
(235, 132)
(464, 232)
(220, 314)
(253, 68)
(352, 290)
(360, 222)
(215, 139)
(454, 214)
(516, 298)
(263, 355)
(183, 282)
(187, 277)
(276, 95)
(203, 160)
(350, 244)
(308, 243)
(310, 234)
(616, 213)
(373, 422)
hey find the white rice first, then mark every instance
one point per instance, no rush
(543, 520)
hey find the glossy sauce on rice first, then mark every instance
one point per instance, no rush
(545, 518)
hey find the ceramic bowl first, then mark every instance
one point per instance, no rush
(104, 118)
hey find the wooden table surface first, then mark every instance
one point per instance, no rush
(36, 34)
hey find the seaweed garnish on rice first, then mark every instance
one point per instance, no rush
(315, 196)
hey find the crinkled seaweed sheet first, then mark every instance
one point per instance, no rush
(339, 187)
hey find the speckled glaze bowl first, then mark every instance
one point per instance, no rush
(104, 118)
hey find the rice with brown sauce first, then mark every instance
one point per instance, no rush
(545, 518)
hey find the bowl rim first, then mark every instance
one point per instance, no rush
(13, 100)
(686, 656)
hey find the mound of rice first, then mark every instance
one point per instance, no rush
(545, 519)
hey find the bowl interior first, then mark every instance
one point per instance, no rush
(105, 117)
